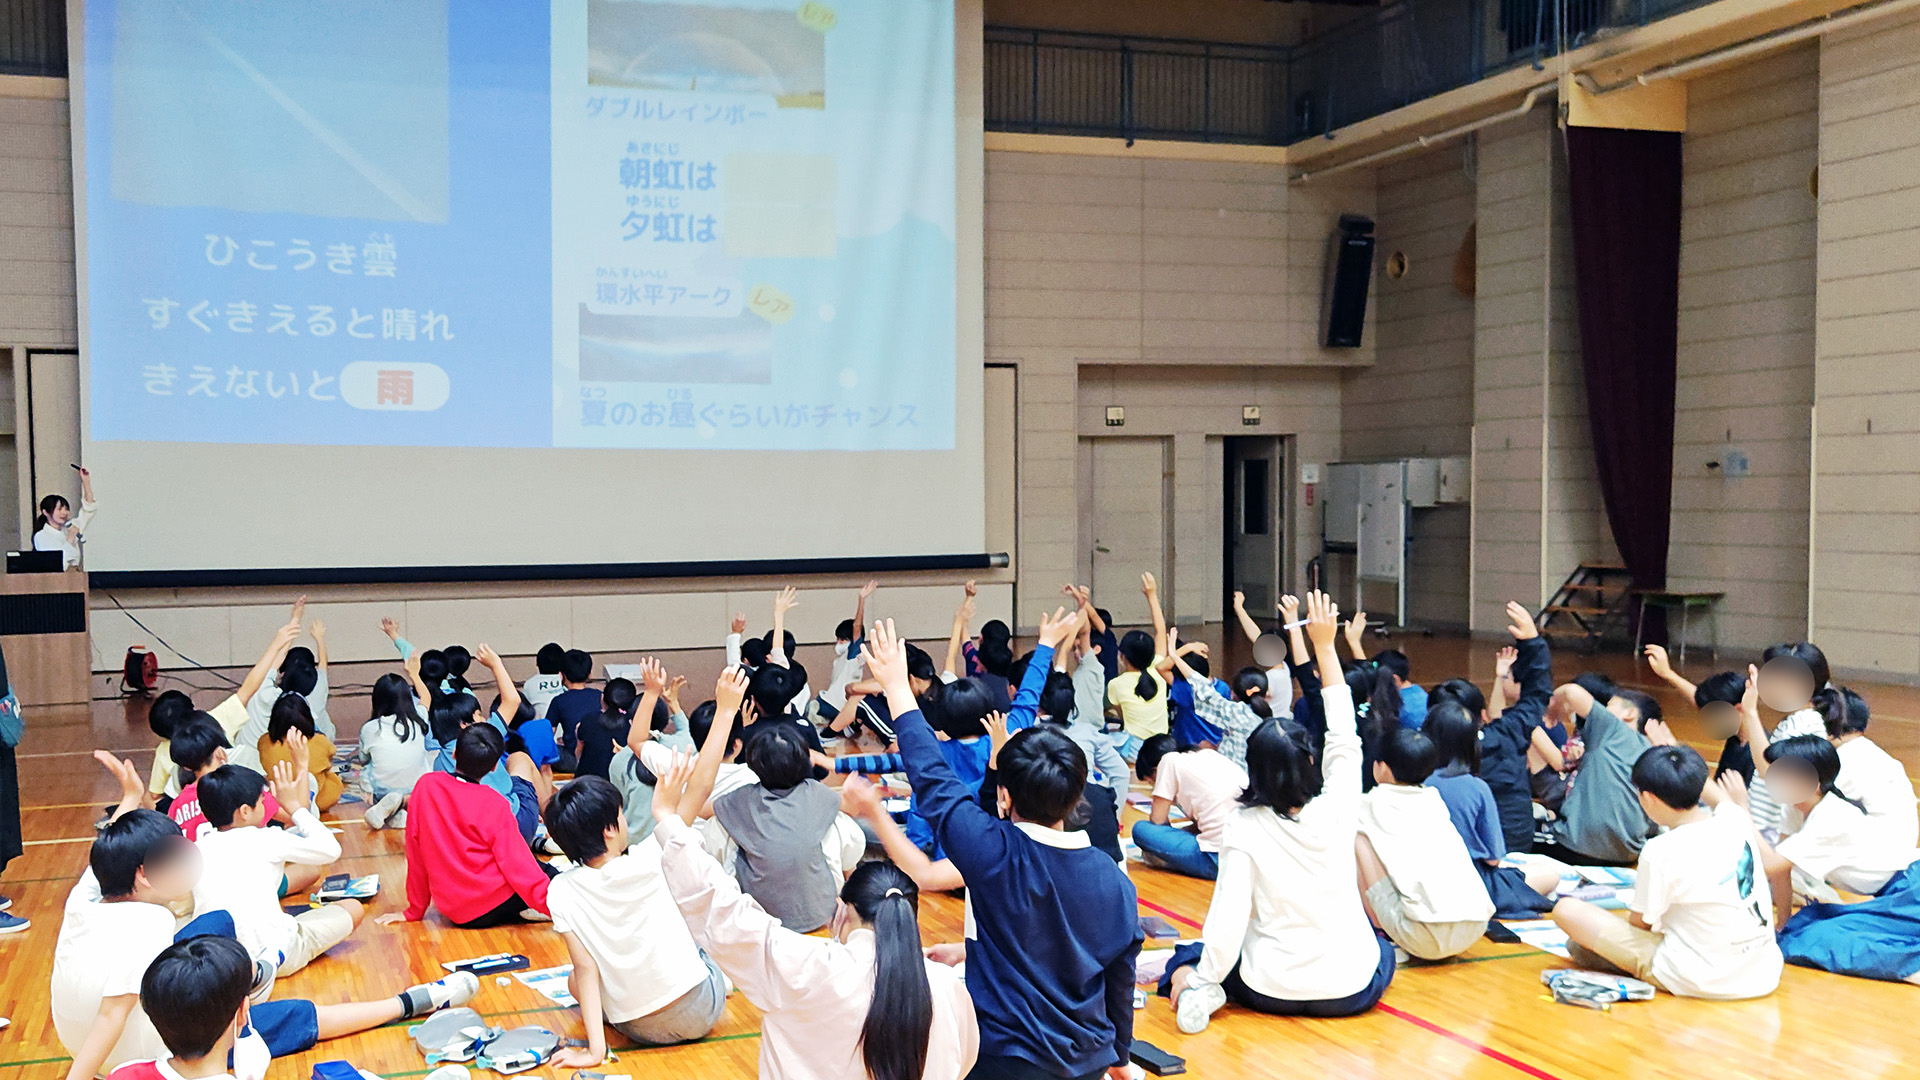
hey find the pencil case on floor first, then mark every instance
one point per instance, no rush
(1594, 989)
(452, 1035)
(518, 1050)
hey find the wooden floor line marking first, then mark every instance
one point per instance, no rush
(1478, 1047)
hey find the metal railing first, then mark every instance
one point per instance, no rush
(1071, 83)
(1061, 82)
(33, 37)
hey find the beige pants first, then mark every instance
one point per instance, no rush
(314, 932)
(1623, 948)
(1427, 941)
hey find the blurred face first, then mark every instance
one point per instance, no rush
(1721, 719)
(1792, 783)
(1786, 684)
(172, 874)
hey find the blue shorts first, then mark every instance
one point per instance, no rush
(288, 1027)
(526, 807)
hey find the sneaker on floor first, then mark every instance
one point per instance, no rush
(265, 970)
(544, 845)
(13, 924)
(399, 819)
(532, 915)
(455, 990)
(1197, 1006)
(5, 902)
(381, 812)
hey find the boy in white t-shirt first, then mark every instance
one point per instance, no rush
(1416, 876)
(1702, 919)
(1206, 785)
(635, 966)
(117, 920)
(246, 865)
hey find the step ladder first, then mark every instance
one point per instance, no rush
(1589, 606)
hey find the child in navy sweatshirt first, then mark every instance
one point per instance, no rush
(1056, 927)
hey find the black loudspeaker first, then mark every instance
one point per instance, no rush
(1349, 270)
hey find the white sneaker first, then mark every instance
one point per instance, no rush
(399, 819)
(381, 812)
(1197, 1006)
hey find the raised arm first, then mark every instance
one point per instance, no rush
(1497, 695)
(283, 640)
(653, 687)
(734, 633)
(1296, 641)
(962, 615)
(861, 800)
(860, 609)
(965, 830)
(1055, 629)
(728, 693)
(1247, 626)
(319, 631)
(1658, 662)
(1323, 623)
(786, 600)
(1151, 589)
(1095, 624)
(1533, 667)
(1357, 635)
(133, 792)
(1751, 731)
(509, 693)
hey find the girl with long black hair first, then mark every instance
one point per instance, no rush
(863, 1001)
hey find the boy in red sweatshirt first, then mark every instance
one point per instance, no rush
(465, 854)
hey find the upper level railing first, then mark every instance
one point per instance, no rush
(1060, 82)
(33, 37)
(1379, 60)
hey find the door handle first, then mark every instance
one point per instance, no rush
(1102, 549)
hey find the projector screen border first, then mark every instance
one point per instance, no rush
(415, 575)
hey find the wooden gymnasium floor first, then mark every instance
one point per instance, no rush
(1482, 1015)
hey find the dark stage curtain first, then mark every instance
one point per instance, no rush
(1624, 188)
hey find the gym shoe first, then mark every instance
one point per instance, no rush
(379, 813)
(455, 990)
(264, 972)
(5, 902)
(532, 915)
(399, 820)
(1197, 1006)
(13, 924)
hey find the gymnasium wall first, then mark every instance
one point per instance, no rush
(1173, 270)
(1536, 502)
(1748, 233)
(1417, 400)
(1866, 542)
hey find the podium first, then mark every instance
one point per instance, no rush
(43, 628)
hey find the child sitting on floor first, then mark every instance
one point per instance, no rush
(396, 749)
(246, 865)
(1717, 698)
(1602, 819)
(1286, 933)
(1204, 783)
(465, 852)
(514, 775)
(1455, 735)
(1416, 877)
(1868, 773)
(635, 966)
(117, 920)
(779, 826)
(1138, 695)
(1056, 929)
(311, 757)
(1827, 838)
(1701, 923)
(598, 735)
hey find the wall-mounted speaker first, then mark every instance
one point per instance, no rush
(1349, 270)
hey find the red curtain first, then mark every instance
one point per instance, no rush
(1625, 194)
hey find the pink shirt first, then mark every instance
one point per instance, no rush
(812, 993)
(185, 811)
(1204, 783)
